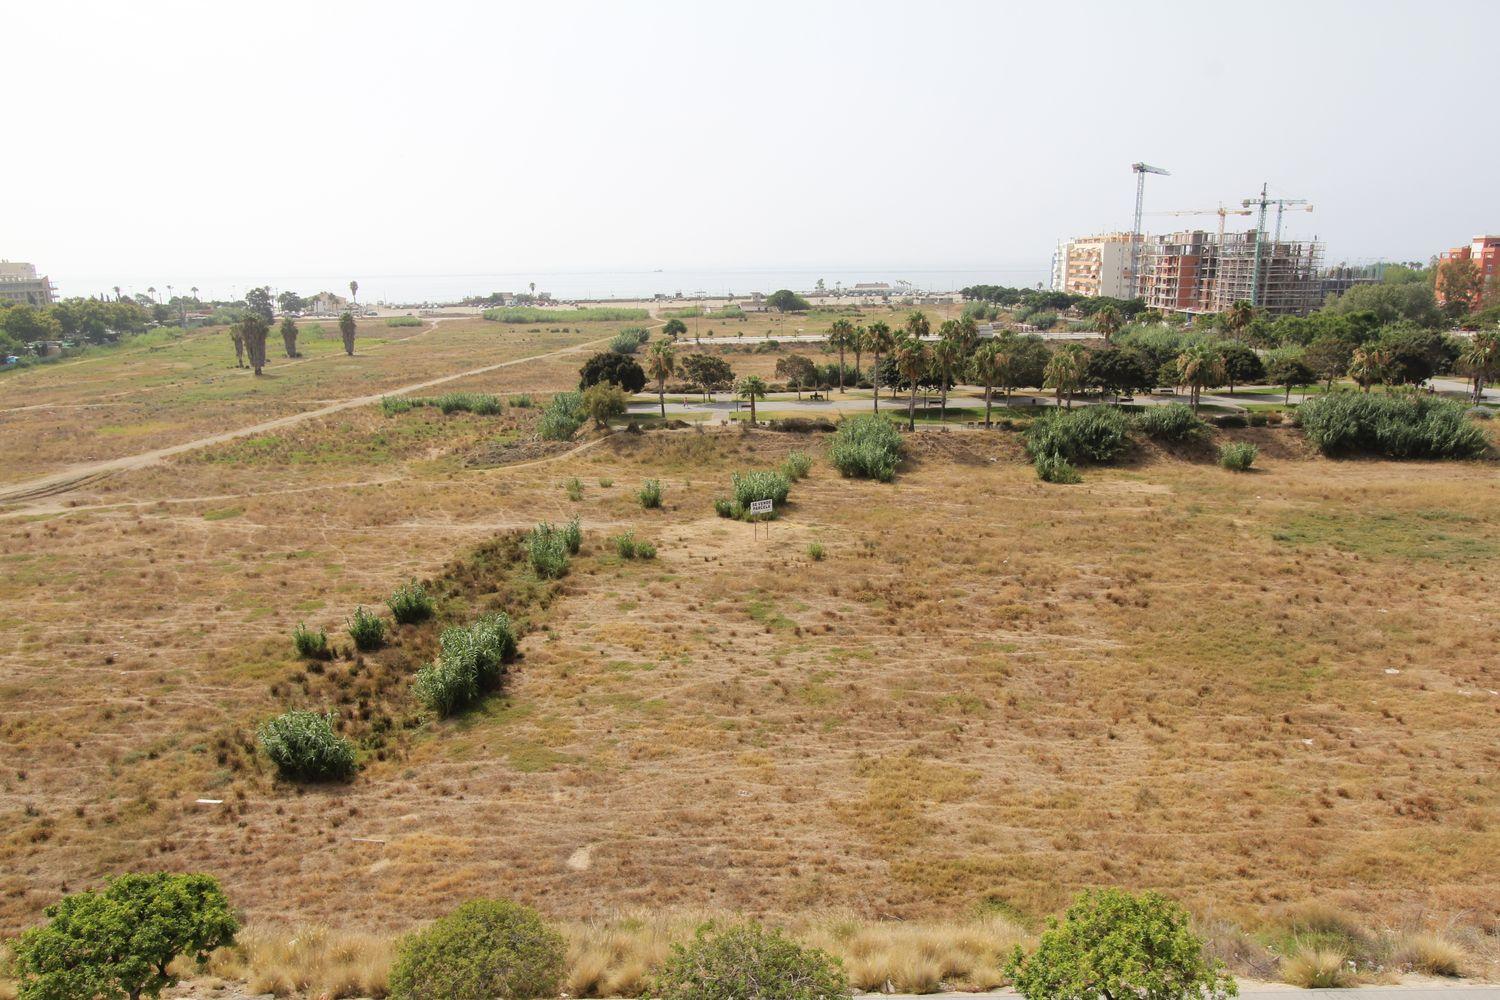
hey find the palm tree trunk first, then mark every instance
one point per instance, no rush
(752, 408)
(911, 408)
(661, 396)
(877, 381)
(943, 406)
(987, 390)
(841, 368)
(1288, 400)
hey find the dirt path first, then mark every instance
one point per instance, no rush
(80, 475)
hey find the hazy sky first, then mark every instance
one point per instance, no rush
(204, 142)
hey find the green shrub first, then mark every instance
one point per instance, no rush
(748, 962)
(575, 489)
(468, 402)
(521, 402)
(1238, 456)
(624, 343)
(313, 645)
(645, 550)
(304, 747)
(796, 465)
(410, 604)
(531, 314)
(1397, 425)
(366, 629)
(392, 405)
(760, 485)
(866, 447)
(403, 321)
(724, 508)
(485, 949)
(1056, 469)
(472, 661)
(1089, 434)
(1173, 422)
(123, 940)
(606, 482)
(650, 494)
(562, 416)
(572, 534)
(625, 545)
(547, 550)
(816, 552)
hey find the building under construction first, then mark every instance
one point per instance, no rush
(1201, 272)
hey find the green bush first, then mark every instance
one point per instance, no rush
(1089, 434)
(521, 402)
(531, 314)
(816, 552)
(403, 321)
(1173, 422)
(547, 550)
(304, 747)
(650, 494)
(562, 416)
(796, 465)
(392, 405)
(748, 487)
(1397, 425)
(625, 545)
(1238, 456)
(748, 962)
(485, 949)
(472, 661)
(724, 508)
(1056, 469)
(572, 534)
(313, 645)
(366, 629)
(410, 604)
(575, 489)
(468, 402)
(624, 343)
(866, 447)
(123, 940)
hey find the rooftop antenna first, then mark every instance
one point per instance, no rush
(1141, 170)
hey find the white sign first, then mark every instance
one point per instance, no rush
(760, 506)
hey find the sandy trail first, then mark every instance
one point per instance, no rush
(80, 475)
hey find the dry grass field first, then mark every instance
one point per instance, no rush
(1252, 692)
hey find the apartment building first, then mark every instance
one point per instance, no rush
(1484, 251)
(20, 283)
(1196, 271)
(1094, 266)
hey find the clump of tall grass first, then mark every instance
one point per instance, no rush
(628, 547)
(309, 959)
(574, 487)
(562, 417)
(410, 603)
(1172, 422)
(650, 494)
(472, 661)
(1056, 469)
(481, 403)
(1238, 456)
(521, 402)
(304, 747)
(403, 321)
(796, 465)
(1317, 969)
(310, 644)
(1396, 425)
(392, 405)
(866, 447)
(532, 314)
(816, 552)
(1089, 434)
(1430, 953)
(761, 484)
(547, 549)
(366, 629)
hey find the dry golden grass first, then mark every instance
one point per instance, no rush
(1318, 968)
(1244, 691)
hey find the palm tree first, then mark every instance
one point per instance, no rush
(879, 340)
(194, 290)
(990, 363)
(1239, 316)
(117, 293)
(1065, 372)
(1482, 358)
(948, 353)
(151, 289)
(1199, 366)
(660, 364)
(841, 336)
(1366, 367)
(751, 387)
(1107, 320)
(354, 292)
(917, 326)
(347, 329)
(674, 328)
(912, 360)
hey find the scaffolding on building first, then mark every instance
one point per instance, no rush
(1198, 272)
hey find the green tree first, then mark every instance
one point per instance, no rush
(121, 940)
(1328, 357)
(1238, 318)
(604, 401)
(289, 336)
(660, 365)
(1112, 945)
(949, 355)
(347, 329)
(1481, 359)
(1107, 320)
(751, 387)
(237, 338)
(258, 301)
(856, 345)
(1241, 365)
(912, 361)
(608, 366)
(1289, 370)
(1065, 372)
(1368, 366)
(485, 949)
(990, 363)
(841, 338)
(1460, 285)
(797, 371)
(290, 302)
(254, 330)
(1200, 366)
(708, 373)
(674, 328)
(354, 292)
(879, 341)
(784, 300)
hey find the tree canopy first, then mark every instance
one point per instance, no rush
(608, 366)
(785, 300)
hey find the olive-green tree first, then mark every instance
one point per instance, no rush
(289, 336)
(879, 341)
(347, 330)
(751, 387)
(660, 364)
(254, 330)
(912, 361)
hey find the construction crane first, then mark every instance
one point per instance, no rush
(1261, 204)
(1141, 170)
(1221, 212)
